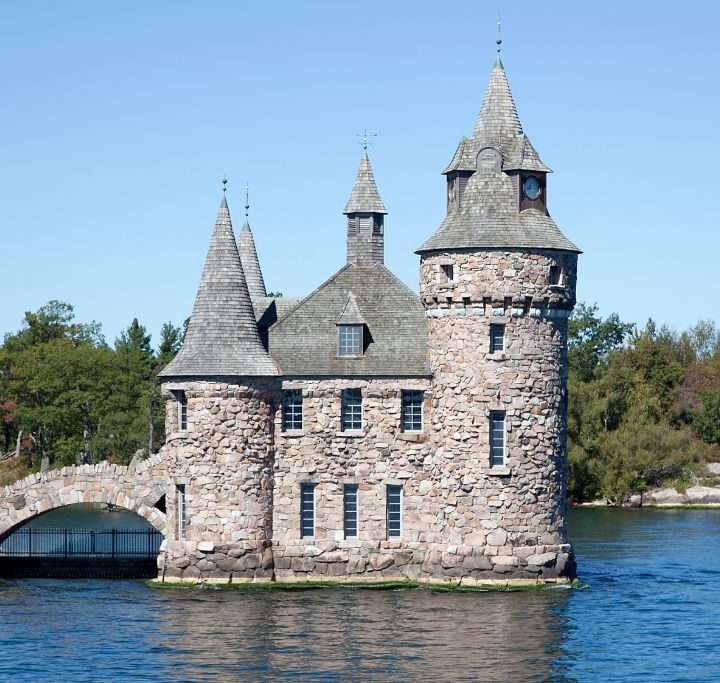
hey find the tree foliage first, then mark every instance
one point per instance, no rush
(75, 399)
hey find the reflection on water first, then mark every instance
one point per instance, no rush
(650, 615)
(88, 516)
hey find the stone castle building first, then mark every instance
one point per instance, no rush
(368, 433)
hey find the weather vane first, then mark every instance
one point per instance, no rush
(247, 199)
(364, 139)
(498, 40)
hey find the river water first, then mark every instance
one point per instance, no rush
(652, 613)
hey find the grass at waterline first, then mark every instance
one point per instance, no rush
(370, 585)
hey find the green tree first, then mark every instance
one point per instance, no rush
(707, 419)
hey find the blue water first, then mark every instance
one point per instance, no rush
(652, 614)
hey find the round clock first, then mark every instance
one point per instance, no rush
(532, 187)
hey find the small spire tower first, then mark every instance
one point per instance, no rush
(249, 257)
(365, 213)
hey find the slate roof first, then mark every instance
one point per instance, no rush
(365, 197)
(222, 336)
(489, 216)
(305, 341)
(250, 262)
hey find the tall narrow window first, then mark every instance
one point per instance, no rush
(350, 340)
(497, 438)
(292, 418)
(350, 510)
(181, 411)
(556, 275)
(307, 510)
(351, 417)
(497, 338)
(412, 410)
(180, 490)
(393, 510)
(364, 223)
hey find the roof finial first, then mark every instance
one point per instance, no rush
(224, 182)
(498, 40)
(247, 199)
(364, 141)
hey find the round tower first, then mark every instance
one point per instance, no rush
(497, 280)
(219, 393)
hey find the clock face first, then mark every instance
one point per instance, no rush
(532, 187)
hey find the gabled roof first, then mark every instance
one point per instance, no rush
(305, 341)
(365, 197)
(351, 313)
(489, 218)
(251, 263)
(222, 336)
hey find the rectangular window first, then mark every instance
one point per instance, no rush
(449, 272)
(351, 225)
(556, 275)
(307, 510)
(497, 438)
(350, 510)
(393, 509)
(350, 340)
(180, 490)
(351, 410)
(292, 418)
(364, 223)
(497, 338)
(181, 411)
(412, 410)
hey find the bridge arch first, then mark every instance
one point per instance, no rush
(135, 489)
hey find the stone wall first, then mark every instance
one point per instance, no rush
(224, 459)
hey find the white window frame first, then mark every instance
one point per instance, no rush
(182, 411)
(312, 486)
(286, 405)
(344, 404)
(403, 403)
(495, 326)
(181, 508)
(494, 413)
(356, 333)
(357, 512)
(399, 487)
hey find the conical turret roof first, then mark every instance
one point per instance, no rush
(251, 263)
(222, 336)
(498, 117)
(365, 197)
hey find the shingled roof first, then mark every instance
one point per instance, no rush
(305, 341)
(222, 336)
(365, 197)
(251, 263)
(489, 215)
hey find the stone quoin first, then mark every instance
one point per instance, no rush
(365, 433)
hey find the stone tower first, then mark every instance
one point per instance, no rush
(365, 213)
(219, 422)
(497, 280)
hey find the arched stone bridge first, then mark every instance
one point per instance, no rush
(138, 489)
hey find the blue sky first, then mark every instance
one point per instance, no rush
(119, 120)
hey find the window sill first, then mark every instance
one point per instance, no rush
(414, 437)
(177, 435)
(293, 434)
(558, 288)
(497, 355)
(352, 433)
(496, 471)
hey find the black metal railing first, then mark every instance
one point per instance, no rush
(82, 543)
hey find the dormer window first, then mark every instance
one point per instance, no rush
(350, 340)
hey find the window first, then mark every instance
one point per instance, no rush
(307, 510)
(497, 438)
(180, 490)
(292, 418)
(556, 275)
(497, 338)
(182, 411)
(351, 410)
(364, 223)
(350, 340)
(412, 410)
(350, 510)
(448, 271)
(351, 225)
(393, 510)
(378, 225)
